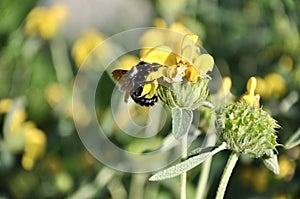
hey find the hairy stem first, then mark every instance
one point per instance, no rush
(183, 175)
(202, 183)
(226, 174)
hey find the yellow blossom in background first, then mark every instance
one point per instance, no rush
(250, 97)
(287, 168)
(272, 85)
(86, 43)
(127, 61)
(17, 119)
(13, 136)
(168, 36)
(54, 94)
(45, 22)
(226, 86)
(282, 196)
(180, 28)
(35, 144)
(286, 63)
(5, 105)
(262, 88)
(260, 179)
(59, 98)
(276, 84)
(21, 135)
(160, 23)
(257, 178)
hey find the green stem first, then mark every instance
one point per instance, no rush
(137, 186)
(202, 183)
(226, 174)
(183, 175)
(61, 62)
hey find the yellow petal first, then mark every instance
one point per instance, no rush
(128, 61)
(189, 47)
(146, 89)
(152, 38)
(226, 86)
(35, 144)
(204, 63)
(152, 91)
(86, 43)
(262, 88)
(191, 74)
(161, 55)
(149, 89)
(160, 23)
(276, 84)
(253, 100)
(251, 85)
(250, 97)
(179, 27)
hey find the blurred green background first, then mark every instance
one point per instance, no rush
(42, 45)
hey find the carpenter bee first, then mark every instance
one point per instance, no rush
(132, 82)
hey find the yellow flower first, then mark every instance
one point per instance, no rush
(17, 119)
(282, 196)
(260, 179)
(172, 56)
(249, 97)
(159, 23)
(262, 88)
(189, 63)
(287, 168)
(35, 144)
(86, 43)
(272, 85)
(45, 22)
(256, 177)
(13, 137)
(286, 63)
(55, 93)
(225, 88)
(276, 84)
(19, 134)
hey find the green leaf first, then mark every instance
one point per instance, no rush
(186, 165)
(181, 121)
(293, 141)
(272, 164)
(201, 150)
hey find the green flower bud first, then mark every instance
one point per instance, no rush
(184, 94)
(247, 129)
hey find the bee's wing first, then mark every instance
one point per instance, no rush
(117, 74)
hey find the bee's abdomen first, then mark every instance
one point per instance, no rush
(142, 100)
